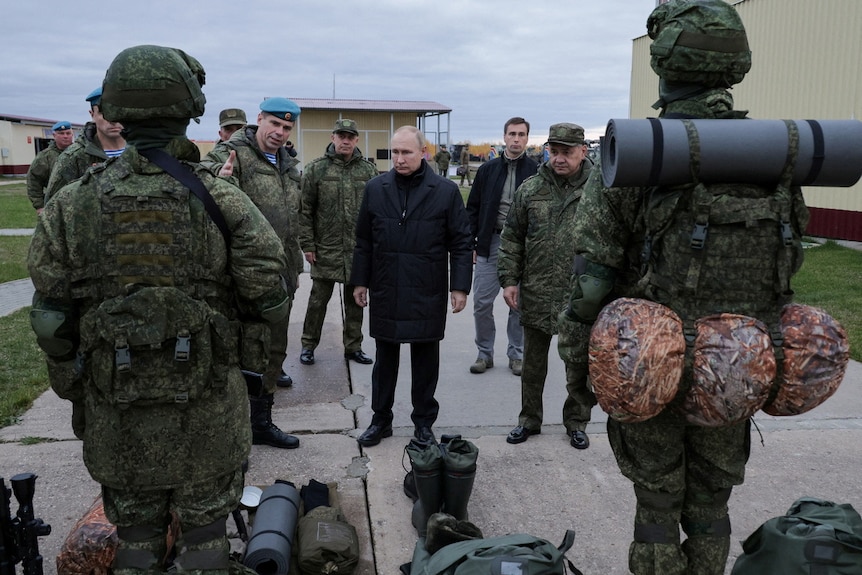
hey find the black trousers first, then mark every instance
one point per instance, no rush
(424, 369)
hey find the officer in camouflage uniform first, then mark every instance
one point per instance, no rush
(99, 141)
(126, 234)
(332, 188)
(256, 158)
(683, 474)
(442, 159)
(534, 266)
(40, 170)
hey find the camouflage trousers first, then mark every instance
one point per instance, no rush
(318, 300)
(142, 518)
(682, 476)
(277, 352)
(579, 398)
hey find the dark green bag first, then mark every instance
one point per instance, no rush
(519, 553)
(815, 537)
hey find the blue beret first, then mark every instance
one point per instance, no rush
(281, 108)
(95, 96)
(60, 126)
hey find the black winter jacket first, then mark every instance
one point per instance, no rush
(412, 246)
(484, 199)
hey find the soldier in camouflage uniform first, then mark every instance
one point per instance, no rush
(683, 474)
(442, 159)
(332, 188)
(99, 141)
(128, 247)
(40, 170)
(534, 266)
(256, 158)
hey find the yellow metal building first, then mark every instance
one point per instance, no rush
(377, 120)
(805, 65)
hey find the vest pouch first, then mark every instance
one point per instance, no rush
(155, 346)
(254, 346)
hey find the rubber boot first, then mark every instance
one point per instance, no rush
(263, 430)
(459, 461)
(427, 464)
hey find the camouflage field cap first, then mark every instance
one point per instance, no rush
(566, 134)
(231, 117)
(147, 81)
(346, 125)
(61, 126)
(698, 42)
(281, 108)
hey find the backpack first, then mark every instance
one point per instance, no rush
(517, 554)
(723, 247)
(815, 537)
(155, 346)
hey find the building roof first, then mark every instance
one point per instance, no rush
(30, 120)
(371, 105)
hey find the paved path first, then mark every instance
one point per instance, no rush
(542, 487)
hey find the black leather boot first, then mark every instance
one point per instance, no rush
(263, 430)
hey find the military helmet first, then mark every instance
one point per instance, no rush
(698, 42)
(145, 82)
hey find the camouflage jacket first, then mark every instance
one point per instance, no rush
(85, 151)
(536, 245)
(442, 159)
(329, 203)
(40, 173)
(74, 265)
(273, 189)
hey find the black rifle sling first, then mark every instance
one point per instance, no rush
(188, 178)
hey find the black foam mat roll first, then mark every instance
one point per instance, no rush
(657, 152)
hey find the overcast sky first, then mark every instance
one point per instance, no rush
(551, 61)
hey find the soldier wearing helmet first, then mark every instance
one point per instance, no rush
(144, 269)
(683, 471)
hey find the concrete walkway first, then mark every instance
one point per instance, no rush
(542, 487)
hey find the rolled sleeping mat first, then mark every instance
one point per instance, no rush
(657, 152)
(272, 536)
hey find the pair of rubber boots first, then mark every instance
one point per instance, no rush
(443, 475)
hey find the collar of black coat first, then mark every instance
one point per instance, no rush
(411, 180)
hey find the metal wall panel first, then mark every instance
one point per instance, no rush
(805, 64)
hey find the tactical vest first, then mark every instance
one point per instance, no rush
(154, 333)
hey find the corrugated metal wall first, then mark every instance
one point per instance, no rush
(805, 64)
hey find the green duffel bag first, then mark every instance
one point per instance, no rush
(815, 537)
(519, 553)
(327, 543)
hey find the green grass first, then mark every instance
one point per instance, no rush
(831, 278)
(17, 211)
(13, 257)
(23, 375)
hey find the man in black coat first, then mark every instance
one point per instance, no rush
(413, 244)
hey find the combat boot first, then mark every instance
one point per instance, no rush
(427, 464)
(459, 463)
(263, 430)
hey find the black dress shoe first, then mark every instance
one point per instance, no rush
(374, 434)
(306, 357)
(520, 434)
(284, 380)
(359, 357)
(424, 435)
(580, 440)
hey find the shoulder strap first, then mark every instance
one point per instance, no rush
(190, 180)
